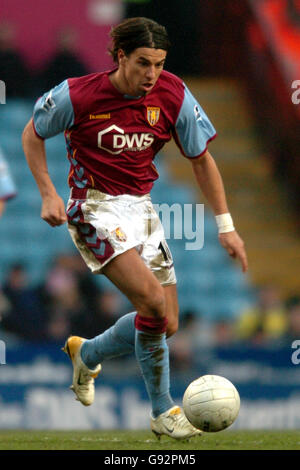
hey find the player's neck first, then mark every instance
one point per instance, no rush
(120, 83)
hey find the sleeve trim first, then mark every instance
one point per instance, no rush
(203, 152)
(188, 156)
(35, 131)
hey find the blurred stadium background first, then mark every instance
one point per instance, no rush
(240, 59)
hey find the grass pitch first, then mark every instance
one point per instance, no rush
(145, 440)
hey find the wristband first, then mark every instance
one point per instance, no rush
(225, 223)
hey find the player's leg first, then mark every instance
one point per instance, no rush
(119, 339)
(129, 273)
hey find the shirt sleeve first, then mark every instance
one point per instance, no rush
(193, 129)
(53, 112)
(7, 185)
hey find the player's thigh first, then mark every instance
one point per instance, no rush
(131, 276)
(172, 308)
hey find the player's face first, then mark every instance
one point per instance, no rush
(141, 69)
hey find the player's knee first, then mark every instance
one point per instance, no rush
(172, 327)
(152, 303)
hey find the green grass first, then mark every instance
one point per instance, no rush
(145, 440)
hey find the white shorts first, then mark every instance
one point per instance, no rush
(104, 226)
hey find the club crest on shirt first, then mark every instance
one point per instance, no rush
(153, 113)
(121, 236)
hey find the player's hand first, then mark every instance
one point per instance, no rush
(53, 211)
(235, 247)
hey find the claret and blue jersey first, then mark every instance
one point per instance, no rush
(112, 139)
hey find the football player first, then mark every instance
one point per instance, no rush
(115, 122)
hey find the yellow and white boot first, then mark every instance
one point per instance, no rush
(83, 377)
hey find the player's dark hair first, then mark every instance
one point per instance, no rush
(137, 32)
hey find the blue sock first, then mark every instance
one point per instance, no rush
(116, 341)
(152, 354)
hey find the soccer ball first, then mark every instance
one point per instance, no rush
(211, 403)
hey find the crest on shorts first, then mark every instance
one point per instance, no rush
(153, 113)
(120, 235)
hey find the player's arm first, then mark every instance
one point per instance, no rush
(53, 209)
(192, 131)
(211, 184)
(53, 113)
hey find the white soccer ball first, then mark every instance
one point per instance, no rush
(211, 403)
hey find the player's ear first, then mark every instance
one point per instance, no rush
(121, 56)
